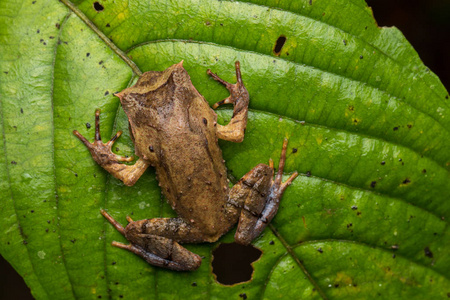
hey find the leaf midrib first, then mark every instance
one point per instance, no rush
(297, 261)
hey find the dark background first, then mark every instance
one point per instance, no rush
(426, 25)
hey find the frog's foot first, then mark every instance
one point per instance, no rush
(110, 161)
(156, 250)
(258, 196)
(101, 152)
(239, 97)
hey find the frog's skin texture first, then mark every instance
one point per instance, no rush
(174, 130)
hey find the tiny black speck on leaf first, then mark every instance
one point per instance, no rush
(294, 150)
(383, 163)
(100, 62)
(424, 171)
(406, 181)
(243, 296)
(361, 57)
(13, 162)
(32, 211)
(320, 250)
(88, 125)
(373, 184)
(113, 263)
(107, 25)
(76, 174)
(106, 93)
(194, 284)
(308, 174)
(428, 252)
(271, 242)
(354, 207)
(87, 54)
(395, 128)
(21, 110)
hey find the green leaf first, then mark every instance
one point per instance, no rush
(367, 217)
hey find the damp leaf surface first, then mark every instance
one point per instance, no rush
(368, 127)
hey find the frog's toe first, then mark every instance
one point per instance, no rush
(227, 100)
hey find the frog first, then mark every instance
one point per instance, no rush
(175, 130)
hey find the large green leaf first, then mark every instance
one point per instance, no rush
(367, 217)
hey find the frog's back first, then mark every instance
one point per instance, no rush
(174, 128)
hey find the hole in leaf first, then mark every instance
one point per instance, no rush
(98, 6)
(279, 44)
(232, 262)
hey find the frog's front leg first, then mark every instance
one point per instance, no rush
(103, 155)
(257, 197)
(235, 129)
(156, 241)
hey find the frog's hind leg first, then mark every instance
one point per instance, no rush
(156, 249)
(258, 196)
(235, 130)
(103, 155)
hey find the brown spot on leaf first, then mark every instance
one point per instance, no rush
(279, 45)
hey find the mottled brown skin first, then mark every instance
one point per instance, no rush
(175, 131)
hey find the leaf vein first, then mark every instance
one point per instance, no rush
(52, 116)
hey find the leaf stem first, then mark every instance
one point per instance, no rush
(107, 41)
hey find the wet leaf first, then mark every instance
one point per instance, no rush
(368, 129)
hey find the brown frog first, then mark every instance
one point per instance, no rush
(175, 130)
